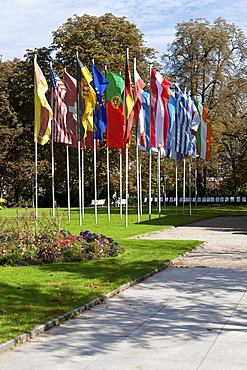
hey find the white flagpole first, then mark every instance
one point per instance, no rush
(196, 184)
(82, 183)
(137, 160)
(140, 181)
(79, 179)
(108, 180)
(184, 184)
(36, 177)
(158, 179)
(52, 161)
(150, 185)
(165, 184)
(190, 184)
(95, 177)
(95, 181)
(138, 185)
(68, 182)
(126, 186)
(108, 184)
(79, 148)
(121, 182)
(53, 177)
(176, 164)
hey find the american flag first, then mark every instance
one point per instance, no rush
(60, 131)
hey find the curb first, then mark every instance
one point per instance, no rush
(22, 338)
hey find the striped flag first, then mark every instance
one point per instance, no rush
(159, 119)
(60, 133)
(204, 135)
(144, 117)
(185, 143)
(139, 117)
(129, 104)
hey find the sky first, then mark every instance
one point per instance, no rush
(27, 24)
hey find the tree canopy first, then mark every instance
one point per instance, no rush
(208, 59)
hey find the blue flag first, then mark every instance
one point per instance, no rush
(99, 114)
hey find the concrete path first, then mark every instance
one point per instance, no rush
(181, 318)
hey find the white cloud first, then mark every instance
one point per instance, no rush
(26, 24)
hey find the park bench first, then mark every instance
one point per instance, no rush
(99, 202)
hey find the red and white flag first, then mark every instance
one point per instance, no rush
(60, 131)
(159, 118)
(139, 114)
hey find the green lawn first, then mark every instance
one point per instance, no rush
(34, 294)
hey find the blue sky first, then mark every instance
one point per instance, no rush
(26, 24)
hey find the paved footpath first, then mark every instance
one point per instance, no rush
(181, 318)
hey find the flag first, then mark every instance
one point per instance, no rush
(159, 120)
(204, 135)
(185, 143)
(86, 99)
(43, 112)
(139, 116)
(170, 150)
(70, 101)
(114, 110)
(99, 114)
(60, 131)
(128, 105)
(144, 115)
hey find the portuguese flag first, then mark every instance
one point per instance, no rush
(114, 110)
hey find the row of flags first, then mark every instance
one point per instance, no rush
(93, 105)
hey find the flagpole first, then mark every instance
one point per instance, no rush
(121, 182)
(158, 178)
(36, 177)
(79, 145)
(108, 184)
(150, 185)
(82, 183)
(95, 176)
(68, 182)
(95, 181)
(52, 159)
(140, 182)
(196, 184)
(137, 161)
(164, 184)
(184, 184)
(53, 177)
(79, 179)
(35, 152)
(126, 185)
(190, 184)
(176, 165)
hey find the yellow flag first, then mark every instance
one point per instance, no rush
(88, 95)
(43, 112)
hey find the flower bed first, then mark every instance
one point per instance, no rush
(28, 240)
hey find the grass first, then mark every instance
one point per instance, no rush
(34, 294)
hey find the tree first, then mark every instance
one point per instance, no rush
(210, 61)
(103, 39)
